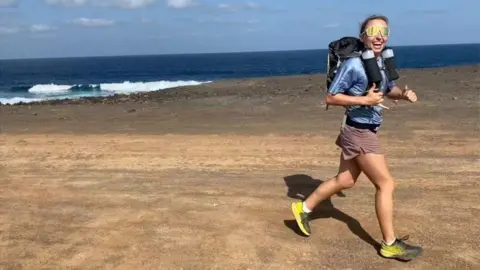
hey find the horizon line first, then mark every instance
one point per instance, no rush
(207, 53)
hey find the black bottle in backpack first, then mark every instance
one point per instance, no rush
(390, 65)
(371, 68)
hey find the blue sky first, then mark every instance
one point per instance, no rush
(58, 28)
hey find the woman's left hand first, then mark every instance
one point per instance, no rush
(409, 95)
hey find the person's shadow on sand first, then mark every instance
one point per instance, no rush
(300, 186)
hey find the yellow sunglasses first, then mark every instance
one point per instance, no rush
(375, 29)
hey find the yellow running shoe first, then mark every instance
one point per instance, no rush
(301, 217)
(400, 250)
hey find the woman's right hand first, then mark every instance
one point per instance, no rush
(374, 96)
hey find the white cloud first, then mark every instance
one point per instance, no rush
(125, 4)
(233, 8)
(180, 4)
(137, 3)
(130, 4)
(86, 22)
(226, 7)
(41, 28)
(9, 30)
(67, 3)
(8, 3)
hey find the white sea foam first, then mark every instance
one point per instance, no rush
(131, 87)
(46, 89)
(125, 87)
(53, 91)
(16, 100)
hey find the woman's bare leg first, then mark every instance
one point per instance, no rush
(347, 176)
(348, 173)
(375, 168)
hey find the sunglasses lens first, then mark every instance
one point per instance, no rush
(374, 30)
(369, 31)
(386, 31)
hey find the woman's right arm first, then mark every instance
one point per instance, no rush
(344, 100)
(343, 81)
(372, 98)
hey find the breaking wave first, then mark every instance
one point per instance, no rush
(40, 92)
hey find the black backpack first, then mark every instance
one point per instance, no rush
(339, 51)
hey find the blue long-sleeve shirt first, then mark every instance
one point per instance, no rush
(351, 79)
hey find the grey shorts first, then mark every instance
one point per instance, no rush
(354, 142)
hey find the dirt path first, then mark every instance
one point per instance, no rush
(206, 201)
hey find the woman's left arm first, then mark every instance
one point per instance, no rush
(395, 93)
(407, 94)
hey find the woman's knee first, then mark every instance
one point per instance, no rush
(347, 173)
(375, 168)
(387, 184)
(345, 181)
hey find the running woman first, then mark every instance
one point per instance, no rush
(359, 142)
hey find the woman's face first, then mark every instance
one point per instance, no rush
(376, 35)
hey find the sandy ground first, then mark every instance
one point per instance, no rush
(205, 180)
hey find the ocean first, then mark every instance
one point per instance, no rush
(27, 80)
